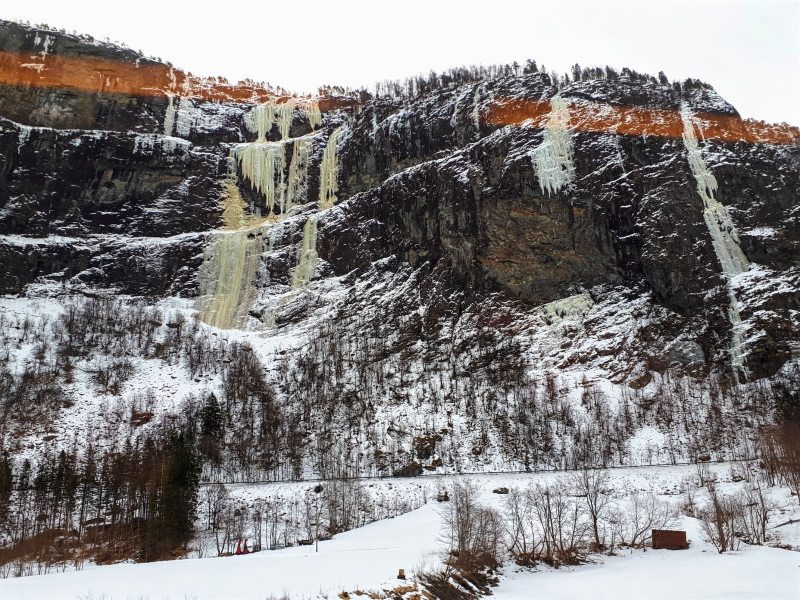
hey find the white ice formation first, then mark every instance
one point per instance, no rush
(262, 164)
(307, 257)
(297, 185)
(169, 117)
(233, 257)
(264, 116)
(721, 228)
(227, 277)
(328, 171)
(552, 159)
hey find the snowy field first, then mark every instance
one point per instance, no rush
(368, 559)
(699, 573)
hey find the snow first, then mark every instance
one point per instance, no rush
(369, 558)
(697, 573)
(366, 558)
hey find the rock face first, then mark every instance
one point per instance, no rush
(116, 187)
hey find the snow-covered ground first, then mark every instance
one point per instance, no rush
(755, 573)
(366, 558)
(369, 558)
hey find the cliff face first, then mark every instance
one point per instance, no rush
(495, 201)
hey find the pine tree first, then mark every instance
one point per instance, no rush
(211, 429)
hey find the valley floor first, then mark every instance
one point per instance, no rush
(699, 573)
(368, 559)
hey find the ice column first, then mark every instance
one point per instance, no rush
(307, 257)
(227, 278)
(169, 117)
(260, 163)
(720, 226)
(284, 113)
(552, 160)
(298, 173)
(314, 114)
(261, 120)
(328, 172)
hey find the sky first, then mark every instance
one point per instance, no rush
(749, 50)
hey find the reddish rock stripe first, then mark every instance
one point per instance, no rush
(147, 78)
(639, 121)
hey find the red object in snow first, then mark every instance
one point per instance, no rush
(669, 539)
(238, 550)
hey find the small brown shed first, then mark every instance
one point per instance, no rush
(669, 539)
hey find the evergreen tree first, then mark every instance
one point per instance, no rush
(211, 429)
(177, 474)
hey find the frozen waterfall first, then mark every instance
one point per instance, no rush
(721, 228)
(552, 160)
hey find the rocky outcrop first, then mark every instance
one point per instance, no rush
(442, 189)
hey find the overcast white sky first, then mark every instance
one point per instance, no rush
(748, 49)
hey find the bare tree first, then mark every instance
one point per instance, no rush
(756, 510)
(562, 522)
(719, 520)
(471, 529)
(522, 534)
(639, 514)
(592, 484)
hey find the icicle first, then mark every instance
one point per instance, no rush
(284, 114)
(552, 160)
(724, 237)
(260, 120)
(172, 81)
(260, 163)
(617, 147)
(307, 257)
(227, 278)
(234, 215)
(314, 114)
(169, 117)
(328, 171)
(298, 174)
(45, 42)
